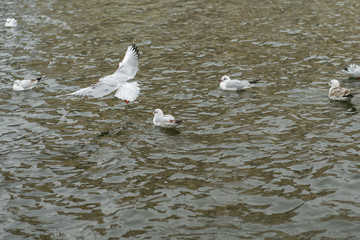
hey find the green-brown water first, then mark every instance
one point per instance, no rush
(278, 161)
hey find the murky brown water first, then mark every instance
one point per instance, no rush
(279, 161)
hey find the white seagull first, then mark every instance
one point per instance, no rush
(10, 22)
(21, 85)
(166, 121)
(338, 93)
(235, 85)
(127, 91)
(353, 70)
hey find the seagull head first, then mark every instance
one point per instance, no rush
(17, 82)
(158, 112)
(224, 78)
(334, 83)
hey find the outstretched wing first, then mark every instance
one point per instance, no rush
(127, 70)
(97, 90)
(129, 65)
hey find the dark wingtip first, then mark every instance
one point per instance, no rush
(178, 122)
(346, 69)
(39, 78)
(255, 81)
(136, 50)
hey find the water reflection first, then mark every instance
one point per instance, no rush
(341, 105)
(169, 131)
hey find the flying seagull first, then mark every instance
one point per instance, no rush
(127, 91)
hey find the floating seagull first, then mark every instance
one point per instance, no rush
(235, 85)
(21, 85)
(338, 93)
(166, 121)
(127, 91)
(10, 22)
(353, 70)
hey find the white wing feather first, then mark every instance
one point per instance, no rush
(127, 70)
(128, 91)
(27, 84)
(97, 90)
(353, 70)
(165, 121)
(168, 119)
(237, 84)
(130, 64)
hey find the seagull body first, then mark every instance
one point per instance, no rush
(338, 93)
(353, 70)
(166, 121)
(21, 85)
(235, 85)
(10, 22)
(127, 91)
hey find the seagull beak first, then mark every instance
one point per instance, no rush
(219, 80)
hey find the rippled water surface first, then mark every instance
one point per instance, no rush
(277, 161)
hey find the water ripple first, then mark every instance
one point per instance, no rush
(268, 162)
